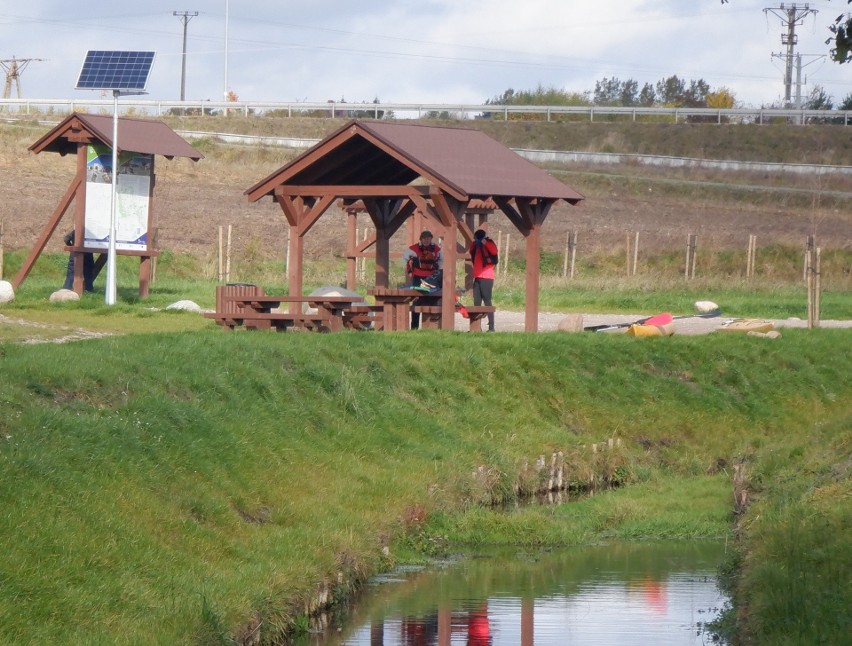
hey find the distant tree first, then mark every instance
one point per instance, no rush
(539, 96)
(696, 94)
(721, 99)
(647, 96)
(674, 92)
(818, 99)
(616, 92)
(670, 91)
(842, 30)
(846, 103)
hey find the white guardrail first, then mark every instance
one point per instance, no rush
(37, 107)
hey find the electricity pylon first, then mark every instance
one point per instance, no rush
(14, 68)
(791, 16)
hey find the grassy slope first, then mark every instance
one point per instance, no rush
(159, 488)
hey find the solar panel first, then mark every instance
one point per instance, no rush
(115, 70)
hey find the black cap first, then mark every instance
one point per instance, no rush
(479, 234)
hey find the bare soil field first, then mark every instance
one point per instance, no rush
(192, 200)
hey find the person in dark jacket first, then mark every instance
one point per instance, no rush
(483, 254)
(88, 267)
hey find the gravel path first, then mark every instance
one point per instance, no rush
(507, 321)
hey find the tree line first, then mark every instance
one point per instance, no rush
(670, 92)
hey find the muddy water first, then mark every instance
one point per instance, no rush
(607, 595)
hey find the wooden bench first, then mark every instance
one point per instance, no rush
(362, 317)
(249, 306)
(430, 315)
(475, 314)
(282, 321)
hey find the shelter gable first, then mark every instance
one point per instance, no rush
(462, 162)
(136, 135)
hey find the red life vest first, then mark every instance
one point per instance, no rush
(427, 259)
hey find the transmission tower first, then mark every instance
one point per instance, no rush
(185, 17)
(791, 16)
(14, 68)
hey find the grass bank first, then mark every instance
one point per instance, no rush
(201, 487)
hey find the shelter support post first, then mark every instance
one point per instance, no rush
(294, 267)
(351, 245)
(533, 276)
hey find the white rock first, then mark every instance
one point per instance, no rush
(64, 295)
(7, 292)
(188, 306)
(705, 306)
(332, 290)
(572, 323)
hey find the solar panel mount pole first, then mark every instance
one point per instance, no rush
(122, 72)
(111, 290)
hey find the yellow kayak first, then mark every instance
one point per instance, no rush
(748, 325)
(638, 329)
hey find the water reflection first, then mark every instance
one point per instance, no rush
(660, 593)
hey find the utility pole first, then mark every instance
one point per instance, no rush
(791, 16)
(185, 17)
(14, 68)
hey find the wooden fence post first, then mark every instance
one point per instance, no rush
(573, 251)
(813, 282)
(228, 257)
(635, 252)
(221, 274)
(691, 246)
(627, 246)
(750, 256)
(565, 255)
(506, 258)
(809, 245)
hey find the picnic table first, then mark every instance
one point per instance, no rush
(395, 304)
(249, 306)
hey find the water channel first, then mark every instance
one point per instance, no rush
(660, 593)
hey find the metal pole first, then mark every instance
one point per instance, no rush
(110, 277)
(226, 49)
(185, 17)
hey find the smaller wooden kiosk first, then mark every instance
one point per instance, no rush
(90, 137)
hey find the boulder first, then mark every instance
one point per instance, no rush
(571, 323)
(7, 292)
(187, 306)
(331, 290)
(64, 295)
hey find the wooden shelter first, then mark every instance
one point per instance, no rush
(399, 169)
(76, 134)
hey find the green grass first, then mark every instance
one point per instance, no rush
(172, 483)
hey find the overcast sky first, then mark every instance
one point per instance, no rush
(420, 51)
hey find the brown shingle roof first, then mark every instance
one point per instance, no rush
(461, 160)
(135, 135)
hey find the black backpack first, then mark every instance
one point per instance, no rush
(487, 258)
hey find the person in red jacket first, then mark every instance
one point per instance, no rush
(421, 260)
(483, 253)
